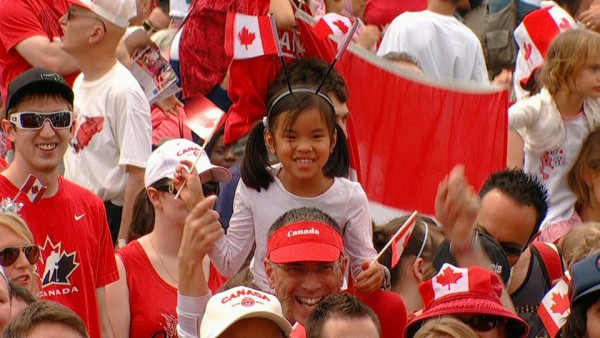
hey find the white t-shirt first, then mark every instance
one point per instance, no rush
(254, 212)
(552, 168)
(113, 129)
(444, 46)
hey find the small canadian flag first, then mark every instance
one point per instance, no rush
(202, 116)
(555, 306)
(33, 188)
(400, 240)
(248, 36)
(333, 24)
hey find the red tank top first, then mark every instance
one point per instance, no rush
(152, 301)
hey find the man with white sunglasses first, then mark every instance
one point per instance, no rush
(68, 222)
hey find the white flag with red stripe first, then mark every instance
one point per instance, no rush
(203, 116)
(555, 306)
(401, 240)
(333, 24)
(248, 36)
(33, 188)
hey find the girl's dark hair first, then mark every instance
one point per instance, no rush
(576, 324)
(213, 141)
(142, 219)
(254, 169)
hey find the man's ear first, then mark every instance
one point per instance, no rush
(270, 142)
(8, 129)
(97, 35)
(270, 273)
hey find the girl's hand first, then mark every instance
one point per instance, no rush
(371, 278)
(189, 183)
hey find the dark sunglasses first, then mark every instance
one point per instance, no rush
(8, 256)
(509, 249)
(70, 15)
(149, 27)
(36, 120)
(208, 189)
(483, 323)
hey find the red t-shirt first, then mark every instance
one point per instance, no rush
(77, 256)
(382, 12)
(152, 301)
(22, 19)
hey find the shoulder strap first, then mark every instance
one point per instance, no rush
(551, 260)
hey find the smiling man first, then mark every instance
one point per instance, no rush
(69, 222)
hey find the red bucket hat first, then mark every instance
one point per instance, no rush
(472, 290)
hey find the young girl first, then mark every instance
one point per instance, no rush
(584, 179)
(300, 130)
(554, 123)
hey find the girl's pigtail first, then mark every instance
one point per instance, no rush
(254, 170)
(142, 219)
(339, 160)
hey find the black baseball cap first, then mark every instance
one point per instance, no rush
(36, 80)
(586, 277)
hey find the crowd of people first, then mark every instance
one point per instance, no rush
(118, 218)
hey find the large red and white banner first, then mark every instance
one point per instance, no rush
(407, 131)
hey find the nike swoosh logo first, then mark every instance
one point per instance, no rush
(78, 217)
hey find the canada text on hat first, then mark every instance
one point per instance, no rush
(117, 12)
(473, 290)
(165, 159)
(38, 79)
(228, 307)
(305, 241)
(535, 34)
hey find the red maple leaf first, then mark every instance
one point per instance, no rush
(527, 48)
(561, 303)
(341, 25)
(246, 38)
(448, 276)
(564, 24)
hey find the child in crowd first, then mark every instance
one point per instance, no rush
(554, 123)
(584, 179)
(300, 130)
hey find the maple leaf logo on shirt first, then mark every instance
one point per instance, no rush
(561, 303)
(448, 276)
(58, 264)
(341, 25)
(90, 127)
(246, 37)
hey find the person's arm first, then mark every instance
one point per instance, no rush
(515, 152)
(230, 251)
(39, 51)
(135, 183)
(105, 327)
(117, 302)
(284, 13)
(201, 230)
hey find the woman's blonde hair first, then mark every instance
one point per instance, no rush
(445, 327)
(587, 160)
(568, 55)
(17, 225)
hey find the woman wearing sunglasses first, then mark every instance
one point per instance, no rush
(18, 253)
(148, 266)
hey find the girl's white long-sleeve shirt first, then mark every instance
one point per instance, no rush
(254, 212)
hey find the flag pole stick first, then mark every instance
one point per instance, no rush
(398, 232)
(280, 52)
(210, 136)
(339, 53)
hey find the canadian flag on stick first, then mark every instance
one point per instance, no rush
(333, 24)
(399, 240)
(555, 307)
(33, 188)
(248, 36)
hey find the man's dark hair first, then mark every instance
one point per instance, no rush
(303, 214)
(311, 71)
(43, 311)
(521, 187)
(338, 306)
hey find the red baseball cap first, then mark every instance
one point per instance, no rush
(304, 241)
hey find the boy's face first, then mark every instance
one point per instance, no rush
(39, 150)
